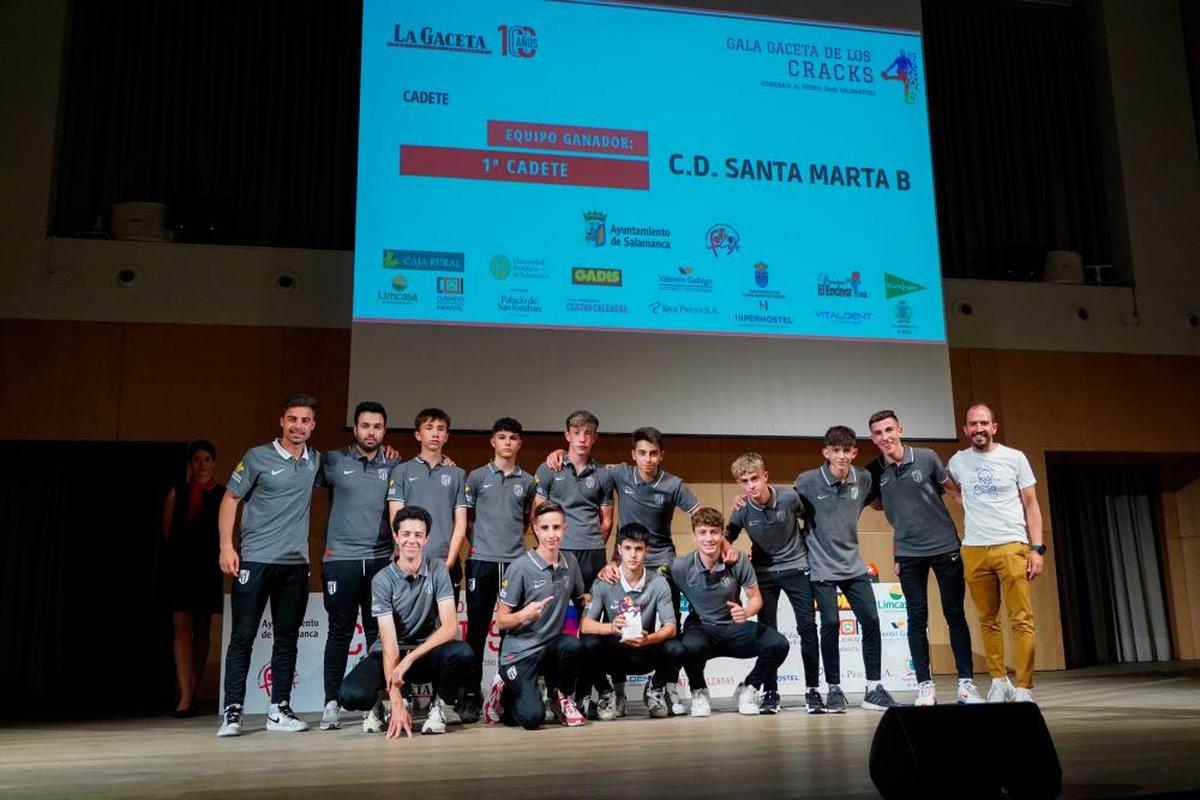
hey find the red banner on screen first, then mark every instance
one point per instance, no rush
(539, 136)
(501, 165)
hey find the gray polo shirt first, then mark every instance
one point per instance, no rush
(358, 523)
(411, 600)
(911, 492)
(582, 495)
(776, 541)
(530, 578)
(831, 512)
(651, 596)
(439, 490)
(709, 590)
(651, 503)
(501, 503)
(277, 491)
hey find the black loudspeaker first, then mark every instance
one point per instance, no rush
(990, 750)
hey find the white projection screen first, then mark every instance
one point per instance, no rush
(715, 222)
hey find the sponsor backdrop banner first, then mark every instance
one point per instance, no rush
(602, 165)
(723, 674)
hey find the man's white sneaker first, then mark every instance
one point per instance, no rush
(281, 718)
(926, 694)
(373, 720)
(232, 721)
(1023, 695)
(331, 718)
(1001, 692)
(968, 693)
(450, 713)
(606, 709)
(700, 705)
(746, 698)
(674, 704)
(435, 721)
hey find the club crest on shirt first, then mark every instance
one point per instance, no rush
(917, 476)
(519, 490)
(470, 584)
(589, 482)
(445, 480)
(331, 587)
(383, 474)
(853, 492)
(243, 576)
(658, 499)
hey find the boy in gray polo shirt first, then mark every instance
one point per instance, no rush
(358, 542)
(498, 497)
(534, 596)
(629, 626)
(834, 495)
(413, 603)
(275, 481)
(769, 514)
(719, 623)
(427, 481)
(908, 483)
(584, 490)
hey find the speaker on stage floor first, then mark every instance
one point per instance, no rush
(993, 750)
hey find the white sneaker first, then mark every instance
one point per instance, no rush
(373, 719)
(746, 698)
(926, 694)
(450, 714)
(674, 704)
(606, 709)
(700, 705)
(331, 719)
(435, 722)
(968, 693)
(232, 724)
(1002, 691)
(1022, 695)
(280, 717)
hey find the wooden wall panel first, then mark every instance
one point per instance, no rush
(61, 380)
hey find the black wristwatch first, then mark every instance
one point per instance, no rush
(1040, 549)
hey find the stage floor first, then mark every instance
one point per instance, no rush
(1120, 732)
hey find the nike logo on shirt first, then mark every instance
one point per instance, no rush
(277, 471)
(538, 584)
(488, 485)
(349, 471)
(415, 479)
(823, 496)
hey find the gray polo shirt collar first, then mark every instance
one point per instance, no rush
(422, 570)
(285, 454)
(588, 469)
(637, 477)
(542, 563)
(353, 452)
(636, 587)
(906, 459)
(698, 564)
(827, 474)
(517, 471)
(774, 501)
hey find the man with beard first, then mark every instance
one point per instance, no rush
(1002, 547)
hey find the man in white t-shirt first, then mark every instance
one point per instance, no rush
(1002, 547)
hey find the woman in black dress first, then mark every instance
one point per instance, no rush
(194, 576)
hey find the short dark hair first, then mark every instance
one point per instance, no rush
(840, 436)
(299, 400)
(412, 512)
(582, 418)
(652, 435)
(707, 516)
(549, 507)
(201, 444)
(369, 407)
(431, 415)
(978, 404)
(880, 416)
(634, 532)
(507, 424)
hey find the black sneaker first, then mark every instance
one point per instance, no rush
(470, 707)
(835, 701)
(813, 703)
(769, 703)
(878, 699)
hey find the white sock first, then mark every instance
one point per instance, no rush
(833, 686)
